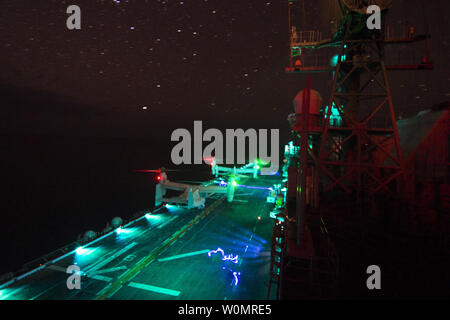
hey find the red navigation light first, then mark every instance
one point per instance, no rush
(158, 178)
(209, 160)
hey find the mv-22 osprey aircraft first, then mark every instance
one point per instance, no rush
(192, 196)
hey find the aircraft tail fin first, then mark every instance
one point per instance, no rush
(194, 199)
(158, 194)
(190, 199)
(230, 191)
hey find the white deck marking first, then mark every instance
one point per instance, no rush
(13, 292)
(44, 291)
(104, 289)
(100, 278)
(57, 268)
(167, 222)
(183, 255)
(102, 263)
(136, 285)
(110, 270)
(147, 287)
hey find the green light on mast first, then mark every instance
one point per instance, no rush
(335, 117)
(334, 60)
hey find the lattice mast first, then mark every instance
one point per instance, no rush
(349, 152)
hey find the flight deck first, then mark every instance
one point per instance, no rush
(173, 253)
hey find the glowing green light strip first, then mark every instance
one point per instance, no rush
(154, 289)
(167, 222)
(179, 256)
(101, 278)
(5, 294)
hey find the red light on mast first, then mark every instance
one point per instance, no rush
(158, 178)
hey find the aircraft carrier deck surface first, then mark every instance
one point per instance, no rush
(165, 256)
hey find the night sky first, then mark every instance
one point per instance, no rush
(177, 59)
(139, 67)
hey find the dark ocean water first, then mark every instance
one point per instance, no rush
(55, 188)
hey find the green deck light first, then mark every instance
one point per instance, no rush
(83, 251)
(120, 230)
